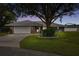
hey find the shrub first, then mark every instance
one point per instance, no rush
(50, 32)
(4, 29)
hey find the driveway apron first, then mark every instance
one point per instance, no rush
(12, 40)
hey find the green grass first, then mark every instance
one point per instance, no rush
(72, 37)
(67, 43)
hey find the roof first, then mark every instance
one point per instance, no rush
(52, 25)
(32, 23)
(24, 23)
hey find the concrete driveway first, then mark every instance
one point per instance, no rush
(12, 40)
(12, 51)
(9, 46)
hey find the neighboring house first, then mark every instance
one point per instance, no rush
(31, 26)
(72, 27)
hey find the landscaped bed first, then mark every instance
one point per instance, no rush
(66, 43)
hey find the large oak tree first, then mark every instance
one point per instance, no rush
(47, 12)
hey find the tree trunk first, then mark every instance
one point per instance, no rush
(48, 24)
(48, 32)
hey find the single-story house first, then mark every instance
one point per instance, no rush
(30, 26)
(24, 27)
(72, 27)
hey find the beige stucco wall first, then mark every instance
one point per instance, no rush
(70, 29)
(44, 28)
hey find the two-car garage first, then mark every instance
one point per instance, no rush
(22, 30)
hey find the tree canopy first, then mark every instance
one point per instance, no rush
(47, 12)
(6, 15)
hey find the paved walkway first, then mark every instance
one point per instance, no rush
(10, 51)
(11, 40)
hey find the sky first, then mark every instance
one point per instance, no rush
(74, 19)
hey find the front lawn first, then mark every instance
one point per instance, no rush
(66, 43)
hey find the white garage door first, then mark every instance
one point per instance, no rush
(22, 29)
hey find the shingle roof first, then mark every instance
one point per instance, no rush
(52, 25)
(32, 23)
(24, 23)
